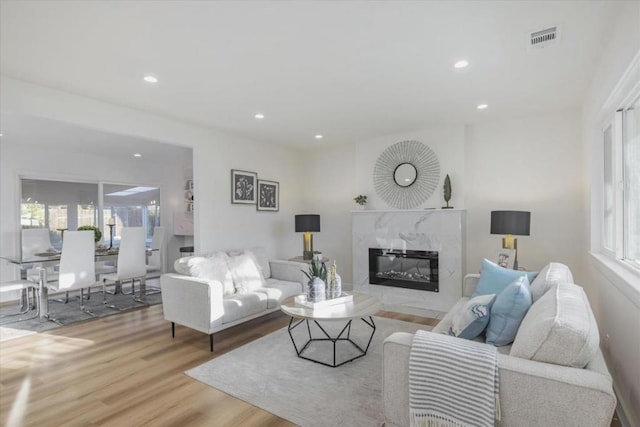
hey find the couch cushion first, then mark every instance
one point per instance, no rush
(278, 290)
(246, 273)
(242, 305)
(493, 278)
(212, 268)
(559, 328)
(552, 274)
(472, 318)
(507, 312)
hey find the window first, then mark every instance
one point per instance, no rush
(60, 205)
(130, 206)
(621, 185)
(631, 179)
(608, 196)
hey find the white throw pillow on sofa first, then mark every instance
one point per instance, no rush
(181, 266)
(246, 273)
(552, 274)
(472, 319)
(559, 328)
(213, 268)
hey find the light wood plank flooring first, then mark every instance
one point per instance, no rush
(125, 370)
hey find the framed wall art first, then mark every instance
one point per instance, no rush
(268, 195)
(243, 187)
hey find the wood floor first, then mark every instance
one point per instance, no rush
(125, 370)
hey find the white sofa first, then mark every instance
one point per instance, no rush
(220, 290)
(558, 327)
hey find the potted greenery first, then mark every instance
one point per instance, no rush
(361, 200)
(97, 234)
(317, 281)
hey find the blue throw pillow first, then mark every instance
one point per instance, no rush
(472, 318)
(507, 312)
(493, 278)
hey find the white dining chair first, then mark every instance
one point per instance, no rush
(35, 240)
(22, 286)
(131, 262)
(156, 259)
(38, 241)
(77, 265)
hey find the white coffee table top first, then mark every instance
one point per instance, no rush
(362, 306)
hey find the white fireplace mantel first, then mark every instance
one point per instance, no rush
(439, 230)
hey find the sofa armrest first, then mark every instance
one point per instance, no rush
(189, 301)
(469, 284)
(289, 271)
(548, 394)
(531, 393)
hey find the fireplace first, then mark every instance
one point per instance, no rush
(404, 269)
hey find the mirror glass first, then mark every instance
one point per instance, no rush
(405, 174)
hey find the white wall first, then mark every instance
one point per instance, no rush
(328, 190)
(222, 225)
(534, 165)
(614, 300)
(447, 142)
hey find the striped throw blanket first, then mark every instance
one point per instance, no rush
(452, 382)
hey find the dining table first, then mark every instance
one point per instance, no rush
(51, 258)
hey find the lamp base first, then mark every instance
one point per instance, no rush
(307, 245)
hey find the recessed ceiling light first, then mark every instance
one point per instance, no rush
(137, 155)
(461, 64)
(319, 136)
(482, 106)
(150, 79)
(259, 116)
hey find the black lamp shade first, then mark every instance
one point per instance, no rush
(510, 222)
(306, 223)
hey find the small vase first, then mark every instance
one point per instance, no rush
(316, 290)
(334, 288)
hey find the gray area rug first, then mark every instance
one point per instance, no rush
(67, 313)
(267, 373)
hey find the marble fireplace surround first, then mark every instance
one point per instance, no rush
(439, 230)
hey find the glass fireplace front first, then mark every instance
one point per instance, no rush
(404, 269)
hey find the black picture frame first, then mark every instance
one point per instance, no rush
(268, 195)
(244, 187)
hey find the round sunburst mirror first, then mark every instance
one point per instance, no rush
(406, 174)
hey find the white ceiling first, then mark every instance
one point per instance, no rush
(350, 70)
(34, 131)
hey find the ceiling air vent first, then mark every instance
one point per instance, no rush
(543, 38)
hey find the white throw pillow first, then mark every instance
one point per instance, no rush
(213, 268)
(260, 255)
(181, 266)
(559, 328)
(473, 317)
(552, 274)
(246, 273)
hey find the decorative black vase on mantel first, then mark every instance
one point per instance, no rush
(447, 192)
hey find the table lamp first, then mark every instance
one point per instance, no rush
(306, 224)
(511, 223)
